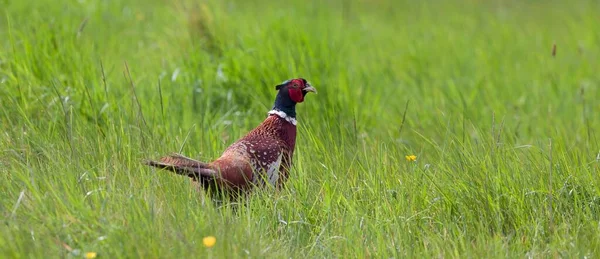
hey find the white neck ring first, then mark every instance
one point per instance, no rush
(284, 116)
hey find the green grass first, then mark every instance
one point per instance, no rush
(506, 134)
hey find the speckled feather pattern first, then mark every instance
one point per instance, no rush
(264, 154)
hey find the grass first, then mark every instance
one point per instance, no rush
(505, 134)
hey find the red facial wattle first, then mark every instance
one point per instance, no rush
(296, 95)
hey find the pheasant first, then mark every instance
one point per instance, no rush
(263, 156)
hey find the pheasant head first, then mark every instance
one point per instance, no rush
(290, 93)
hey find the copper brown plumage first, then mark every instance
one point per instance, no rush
(263, 156)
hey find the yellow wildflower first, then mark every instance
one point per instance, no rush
(209, 241)
(90, 255)
(411, 158)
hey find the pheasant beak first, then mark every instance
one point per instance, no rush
(309, 88)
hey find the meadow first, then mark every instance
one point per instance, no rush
(503, 127)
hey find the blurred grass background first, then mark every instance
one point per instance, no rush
(505, 134)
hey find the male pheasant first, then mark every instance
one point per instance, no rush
(263, 156)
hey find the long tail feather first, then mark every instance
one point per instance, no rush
(180, 160)
(184, 166)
